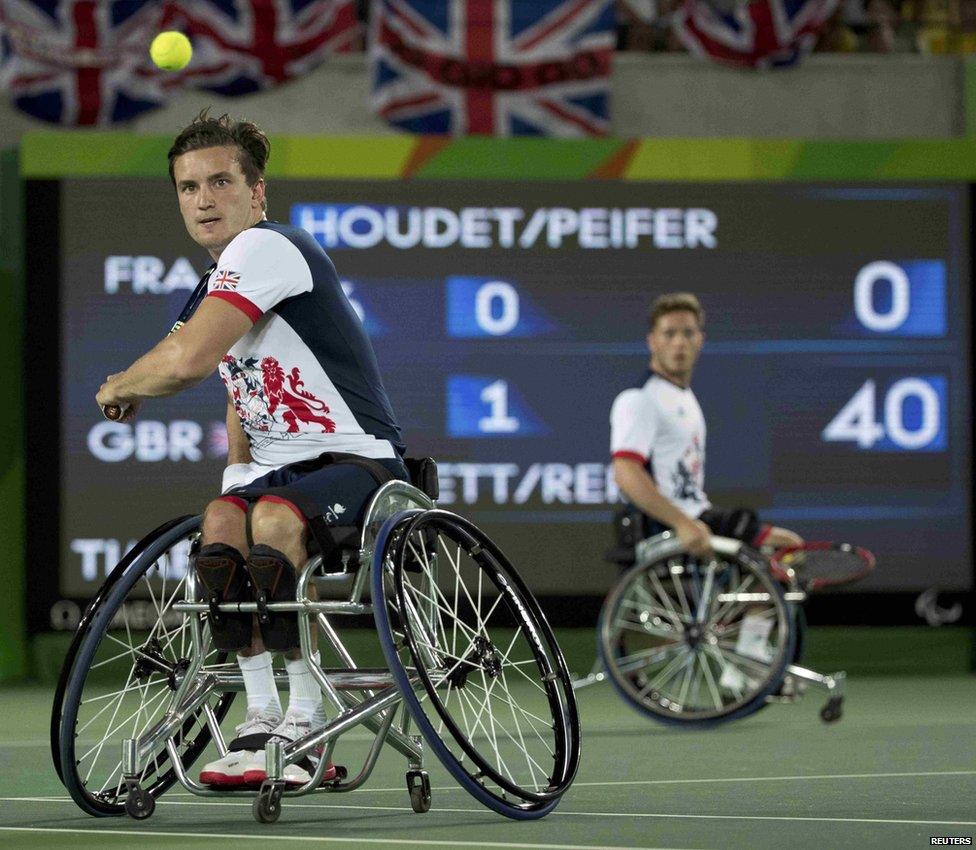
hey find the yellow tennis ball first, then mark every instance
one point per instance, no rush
(171, 50)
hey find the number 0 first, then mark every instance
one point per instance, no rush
(505, 296)
(864, 285)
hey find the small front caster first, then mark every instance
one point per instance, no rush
(418, 784)
(139, 803)
(832, 710)
(267, 804)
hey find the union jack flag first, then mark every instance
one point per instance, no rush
(80, 62)
(493, 67)
(243, 46)
(227, 280)
(752, 33)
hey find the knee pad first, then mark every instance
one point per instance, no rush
(274, 579)
(221, 570)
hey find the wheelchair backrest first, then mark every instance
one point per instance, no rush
(423, 475)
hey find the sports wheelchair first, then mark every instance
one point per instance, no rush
(471, 662)
(696, 642)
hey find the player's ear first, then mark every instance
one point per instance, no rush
(650, 344)
(257, 192)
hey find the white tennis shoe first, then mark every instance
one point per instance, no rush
(232, 769)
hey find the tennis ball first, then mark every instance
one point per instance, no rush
(171, 51)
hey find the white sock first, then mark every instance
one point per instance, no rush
(304, 693)
(259, 683)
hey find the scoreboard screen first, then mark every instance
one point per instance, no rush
(506, 318)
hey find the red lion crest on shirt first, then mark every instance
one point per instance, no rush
(300, 405)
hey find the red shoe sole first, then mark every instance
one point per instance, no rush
(256, 777)
(224, 780)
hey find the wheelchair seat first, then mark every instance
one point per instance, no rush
(347, 539)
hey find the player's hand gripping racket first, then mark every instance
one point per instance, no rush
(115, 412)
(819, 565)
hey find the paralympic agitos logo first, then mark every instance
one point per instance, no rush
(361, 226)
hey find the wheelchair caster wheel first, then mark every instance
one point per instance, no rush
(139, 803)
(267, 805)
(833, 710)
(418, 784)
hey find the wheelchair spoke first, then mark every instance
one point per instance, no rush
(527, 715)
(676, 618)
(532, 762)
(725, 613)
(665, 675)
(644, 629)
(635, 661)
(709, 678)
(679, 586)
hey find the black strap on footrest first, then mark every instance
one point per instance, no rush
(254, 741)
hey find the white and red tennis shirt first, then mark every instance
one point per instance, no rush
(661, 425)
(304, 380)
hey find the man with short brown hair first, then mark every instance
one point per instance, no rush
(311, 432)
(657, 438)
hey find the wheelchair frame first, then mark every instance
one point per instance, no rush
(377, 711)
(369, 697)
(794, 678)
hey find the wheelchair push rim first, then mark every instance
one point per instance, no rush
(469, 638)
(696, 642)
(131, 659)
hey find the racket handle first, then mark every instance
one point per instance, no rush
(114, 412)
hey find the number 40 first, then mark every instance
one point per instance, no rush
(856, 420)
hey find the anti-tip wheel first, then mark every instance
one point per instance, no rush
(139, 803)
(418, 784)
(267, 805)
(832, 710)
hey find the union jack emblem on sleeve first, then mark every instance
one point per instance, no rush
(752, 33)
(493, 67)
(226, 281)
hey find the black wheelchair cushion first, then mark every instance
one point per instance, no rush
(274, 579)
(222, 572)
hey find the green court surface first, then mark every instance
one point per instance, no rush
(898, 768)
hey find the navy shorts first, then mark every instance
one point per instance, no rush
(336, 494)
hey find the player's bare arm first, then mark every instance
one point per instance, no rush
(181, 360)
(638, 486)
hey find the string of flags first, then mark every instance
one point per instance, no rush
(458, 67)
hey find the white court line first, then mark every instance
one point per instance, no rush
(265, 836)
(442, 810)
(579, 784)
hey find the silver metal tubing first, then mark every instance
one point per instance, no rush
(215, 733)
(340, 679)
(274, 765)
(348, 719)
(315, 780)
(306, 606)
(169, 724)
(833, 683)
(130, 758)
(195, 787)
(371, 756)
(337, 645)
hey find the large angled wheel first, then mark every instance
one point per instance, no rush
(697, 642)
(127, 658)
(476, 661)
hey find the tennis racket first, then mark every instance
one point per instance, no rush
(115, 411)
(819, 565)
